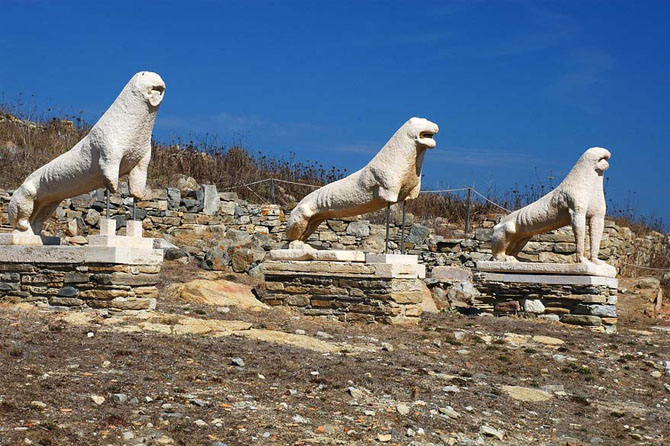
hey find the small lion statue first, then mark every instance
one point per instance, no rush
(118, 144)
(393, 175)
(580, 197)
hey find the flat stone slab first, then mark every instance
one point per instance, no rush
(397, 259)
(344, 269)
(23, 239)
(80, 254)
(119, 241)
(325, 255)
(559, 269)
(551, 279)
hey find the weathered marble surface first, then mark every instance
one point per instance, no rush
(398, 259)
(330, 255)
(568, 269)
(393, 175)
(118, 144)
(578, 199)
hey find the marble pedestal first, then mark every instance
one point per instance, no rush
(580, 294)
(350, 285)
(132, 239)
(111, 277)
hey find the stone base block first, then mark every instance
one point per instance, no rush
(27, 239)
(573, 299)
(389, 293)
(328, 255)
(345, 269)
(556, 269)
(396, 259)
(109, 278)
(119, 241)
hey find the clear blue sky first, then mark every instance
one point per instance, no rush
(520, 89)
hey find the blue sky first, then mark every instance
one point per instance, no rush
(520, 89)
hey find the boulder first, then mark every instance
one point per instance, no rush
(211, 199)
(173, 198)
(221, 293)
(187, 184)
(418, 234)
(451, 273)
(358, 229)
(533, 306)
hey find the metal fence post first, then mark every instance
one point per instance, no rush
(107, 205)
(272, 190)
(388, 217)
(467, 211)
(402, 229)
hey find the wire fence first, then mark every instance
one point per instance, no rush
(469, 190)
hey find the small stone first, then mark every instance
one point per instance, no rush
(300, 419)
(119, 397)
(656, 374)
(667, 387)
(300, 332)
(128, 435)
(98, 399)
(200, 423)
(355, 393)
(239, 362)
(38, 404)
(323, 334)
(451, 389)
(410, 432)
(384, 438)
(402, 409)
(491, 432)
(449, 411)
(387, 347)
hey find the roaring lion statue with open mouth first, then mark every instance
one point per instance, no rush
(578, 199)
(393, 175)
(118, 144)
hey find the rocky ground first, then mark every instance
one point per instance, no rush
(202, 374)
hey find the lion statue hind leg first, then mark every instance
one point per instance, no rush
(502, 238)
(41, 214)
(21, 208)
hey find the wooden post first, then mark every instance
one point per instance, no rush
(467, 211)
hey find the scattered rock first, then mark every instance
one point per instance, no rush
(533, 306)
(449, 411)
(98, 399)
(384, 438)
(526, 394)
(402, 409)
(491, 432)
(239, 362)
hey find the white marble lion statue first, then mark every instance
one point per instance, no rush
(393, 175)
(578, 199)
(118, 144)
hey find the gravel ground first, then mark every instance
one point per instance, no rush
(452, 380)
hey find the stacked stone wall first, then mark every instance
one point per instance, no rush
(108, 286)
